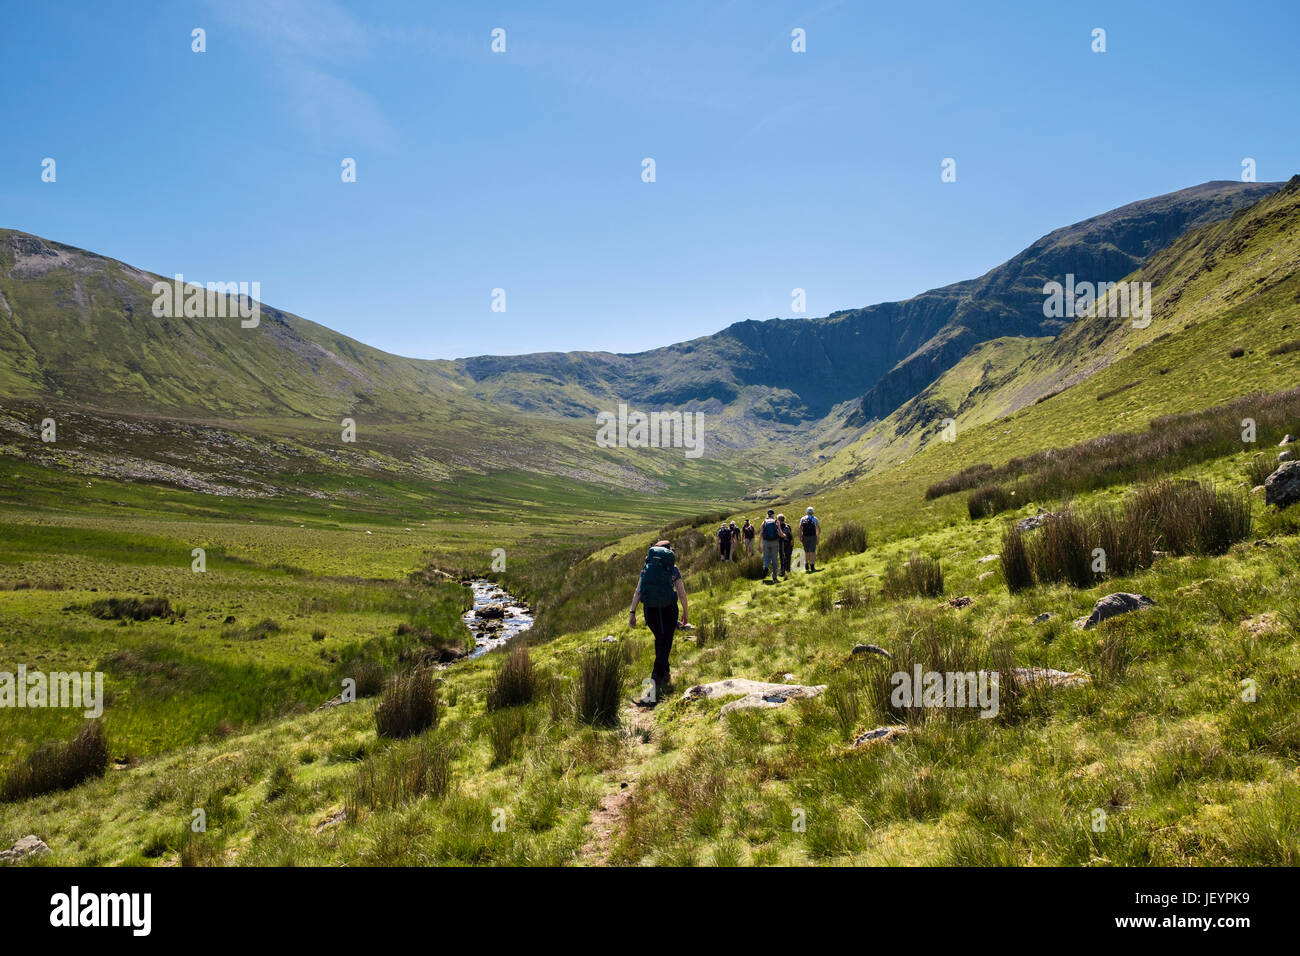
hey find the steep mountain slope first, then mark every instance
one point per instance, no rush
(1227, 287)
(785, 372)
(79, 340)
(78, 333)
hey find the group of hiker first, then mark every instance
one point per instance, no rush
(660, 586)
(777, 539)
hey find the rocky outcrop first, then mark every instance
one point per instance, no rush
(1035, 521)
(1047, 677)
(30, 845)
(751, 693)
(1282, 488)
(881, 735)
(871, 649)
(1112, 605)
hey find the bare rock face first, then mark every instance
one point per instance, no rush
(1112, 605)
(752, 693)
(1282, 488)
(30, 845)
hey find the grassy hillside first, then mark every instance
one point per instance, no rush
(1228, 286)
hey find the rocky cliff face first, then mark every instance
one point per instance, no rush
(797, 370)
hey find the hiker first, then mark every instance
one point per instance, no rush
(658, 589)
(787, 544)
(735, 542)
(771, 545)
(748, 532)
(810, 530)
(724, 542)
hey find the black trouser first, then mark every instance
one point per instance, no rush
(787, 549)
(662, 621)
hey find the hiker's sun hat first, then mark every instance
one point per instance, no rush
(770, 512)
(810, 509)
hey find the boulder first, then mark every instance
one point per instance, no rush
(1035, 521)
(1112, 605)
(1266, 623)
(1282, 488)
(1046, 676)
(752, 693)
(881, 735)
(1044, 617)
(960, 602)
(1284, 456)
(1286, 441)
(990, 557)
(490, 611)
(871, 649)
(30, 845)
(986, 574)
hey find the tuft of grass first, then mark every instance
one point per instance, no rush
(369, 677)
(1258, 469)
(131, 609)
(279, 783)
(398, 777)
(600, 686)
(515, 681)
(988, 500)
(1061, 550)
(58, 767)
(1192, 518)
(854, 598)
(848, 538)
(1179, 517)
(409, 704)
(713, 628)
(1017, 570)
(506, 732)
(922, 576)
(255, 632)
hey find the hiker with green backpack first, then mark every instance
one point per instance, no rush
(658, 589)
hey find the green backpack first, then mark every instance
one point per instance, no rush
(657, 588)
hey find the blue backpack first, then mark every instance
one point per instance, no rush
(657, 587)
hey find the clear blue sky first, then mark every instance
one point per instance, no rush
(522, 170)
